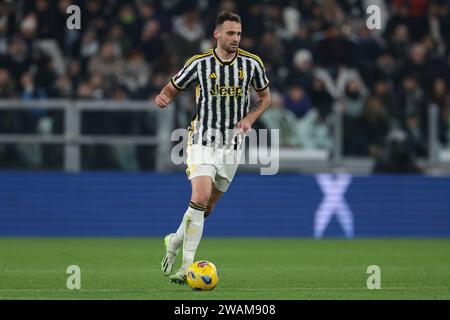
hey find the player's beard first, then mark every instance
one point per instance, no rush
(231, 48)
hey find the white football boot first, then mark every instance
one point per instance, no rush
(179, 276)
(170, 256)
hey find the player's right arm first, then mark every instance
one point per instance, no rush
(167, 94)
(179, 82)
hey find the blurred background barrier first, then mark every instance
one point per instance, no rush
(68, 125)
(124, 204)
(77, 135)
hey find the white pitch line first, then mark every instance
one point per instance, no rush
(219, 290)
(228, 268)
(63, 271)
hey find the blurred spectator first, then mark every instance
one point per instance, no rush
(29, 88)
(291, 20)
(188, 32)
(400, 16)
(369, 48)
(321, 98)
(297, 100)
(399, 42)
(93, 16)
(352, 103)
(63, 88)
(28, 28)
(412, 113)
(398, 156)
(419, 65)
(7, 84)
(438, 24)
(254, 19)
(8, 120)
(18, 59)
(374, 124)
(383, 91)
(353, 99)
(136, 73)
(128, 24)
(90, 45)
(123, 41)
(109, 62)
(271, 49)
(314, 131)
(84, 91)
(440, 96)
(74, 72)
(302, 71)
(278, 117)
(273, 21)
(386, 67)
(152, 43)
(299, 40)
(101, 86)
(335, 49)
(46, 17)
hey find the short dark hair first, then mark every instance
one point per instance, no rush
(227, 16)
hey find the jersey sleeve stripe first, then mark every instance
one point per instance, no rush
(175, 85)
(198, 56)
(188, 73)
(262, 88)
(186, 69)
(184, 80)
(251, 55)
(261, 78)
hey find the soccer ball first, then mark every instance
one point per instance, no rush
(202, 275)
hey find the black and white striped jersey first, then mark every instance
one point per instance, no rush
(222, 94)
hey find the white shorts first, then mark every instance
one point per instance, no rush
(217, 163)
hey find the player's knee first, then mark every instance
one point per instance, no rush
(201, 199)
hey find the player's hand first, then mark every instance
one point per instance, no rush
(244, 125)
(162, 100)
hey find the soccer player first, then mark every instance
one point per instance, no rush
(223, 77)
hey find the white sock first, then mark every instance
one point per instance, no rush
(177, 240)
(193, 232)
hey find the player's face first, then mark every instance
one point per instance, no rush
(228, 36)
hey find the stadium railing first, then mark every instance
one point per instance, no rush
(72, 137)
(290, 159)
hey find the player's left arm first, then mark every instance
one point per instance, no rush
(262, 104)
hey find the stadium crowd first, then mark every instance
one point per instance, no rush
(319, 55)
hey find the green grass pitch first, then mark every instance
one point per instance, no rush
(129, 268)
